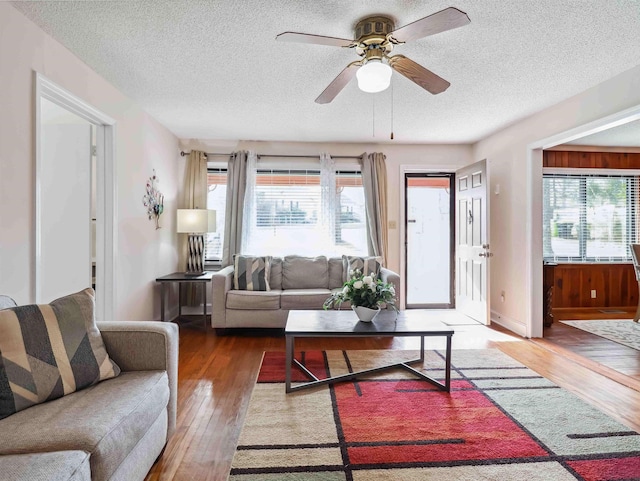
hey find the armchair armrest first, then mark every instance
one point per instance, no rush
(387, 275)
(145, 346)
(221, 283)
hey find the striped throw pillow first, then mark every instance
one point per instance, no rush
(251, 273)
(366, 265)
(50, 350)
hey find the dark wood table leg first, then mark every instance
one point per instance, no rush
(163, 288)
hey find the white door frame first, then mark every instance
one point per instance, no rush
(534, 320)
(413, 169)
(106, 212)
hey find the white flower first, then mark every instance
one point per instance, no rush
(345, 289)
(357, 285)
(367, 280)
(392, 290)
(372, 287)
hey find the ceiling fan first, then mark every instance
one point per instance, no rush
(375, 38)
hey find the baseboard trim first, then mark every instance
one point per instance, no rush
(508, 323)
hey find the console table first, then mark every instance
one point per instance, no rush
(184, 278)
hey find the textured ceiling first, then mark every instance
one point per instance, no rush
(213, 69)
(626, 135)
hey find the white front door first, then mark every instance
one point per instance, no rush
(472, 241)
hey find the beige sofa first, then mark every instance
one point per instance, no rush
(114, 430)
(296, 282)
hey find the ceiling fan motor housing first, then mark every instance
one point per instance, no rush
(373, 30)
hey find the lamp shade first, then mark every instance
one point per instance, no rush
(194, 221)
(374, 76)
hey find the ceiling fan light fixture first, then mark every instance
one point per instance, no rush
(374, 76)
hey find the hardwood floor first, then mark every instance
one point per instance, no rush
(609, 357)
(217, 374)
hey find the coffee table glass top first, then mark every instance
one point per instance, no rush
(345, 322)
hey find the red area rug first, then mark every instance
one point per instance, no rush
(501, 421)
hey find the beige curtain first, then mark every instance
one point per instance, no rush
(195, 188)
(374, 181)
(236, 187)
(195, 197)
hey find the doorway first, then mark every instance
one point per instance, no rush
(51, 234)
(429, 240)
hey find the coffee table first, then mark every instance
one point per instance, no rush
(333, 323)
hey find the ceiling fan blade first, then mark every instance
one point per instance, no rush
(338, 83)
(316, 39)
(418, 74)
(438, 22)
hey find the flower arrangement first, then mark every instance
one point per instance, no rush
(366, 291)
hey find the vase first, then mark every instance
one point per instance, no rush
(365, 314)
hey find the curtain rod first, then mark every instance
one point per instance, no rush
(183, 154)
(206, 154)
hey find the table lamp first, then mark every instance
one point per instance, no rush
(196, 222)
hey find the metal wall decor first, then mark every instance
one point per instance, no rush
(153, 200)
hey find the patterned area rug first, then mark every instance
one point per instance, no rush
(622, 331)
(501, 421)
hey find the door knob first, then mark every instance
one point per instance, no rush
(486, 254)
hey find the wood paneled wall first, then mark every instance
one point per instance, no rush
(591, 160)
(615, 285)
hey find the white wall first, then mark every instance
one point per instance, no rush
(142, 145)
(507, 153)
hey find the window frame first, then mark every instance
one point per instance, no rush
(215, 263)
(342, 169)
(313, 170)
(632, 207)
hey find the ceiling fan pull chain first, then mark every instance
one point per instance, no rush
(392, 109)
(373, 115)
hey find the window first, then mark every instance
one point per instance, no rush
(216, 200)
(291, 216)
(589, 218)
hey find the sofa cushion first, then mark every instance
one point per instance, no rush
(366, 265)
(275, 279)
(304, 298)
(335, 272)
(253, 299)
(251, 273)
(300, 272)
(59, 465)
(106, 420)
(50, 350)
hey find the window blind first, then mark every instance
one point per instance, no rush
(589, 218)
(290, 214)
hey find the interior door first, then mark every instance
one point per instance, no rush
(472, 241)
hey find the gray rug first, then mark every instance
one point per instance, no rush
(622, 331)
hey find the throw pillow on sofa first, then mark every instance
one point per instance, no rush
(366, 265)
(251, 273)
(50, 350)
